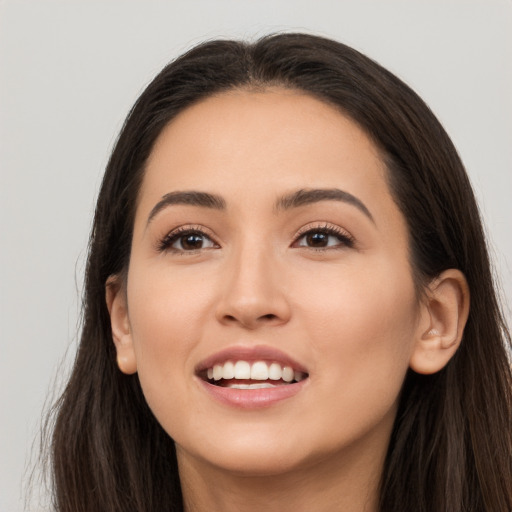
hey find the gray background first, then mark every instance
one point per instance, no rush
(69, 72)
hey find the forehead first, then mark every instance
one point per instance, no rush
(276, 134)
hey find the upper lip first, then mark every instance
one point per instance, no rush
(250, 354)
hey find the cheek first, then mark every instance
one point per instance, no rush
(166, 316)
(367, 322)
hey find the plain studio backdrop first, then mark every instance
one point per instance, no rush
(69, 72)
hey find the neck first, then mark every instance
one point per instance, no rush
(348, 482)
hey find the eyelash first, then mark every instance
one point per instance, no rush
(345, 239)
(166, 243)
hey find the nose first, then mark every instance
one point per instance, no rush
(253, 291)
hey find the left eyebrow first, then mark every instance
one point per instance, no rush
(304, 197)
(188, 197)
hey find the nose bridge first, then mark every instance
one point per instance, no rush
(252, 292)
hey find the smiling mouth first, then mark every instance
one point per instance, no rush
(251, 375)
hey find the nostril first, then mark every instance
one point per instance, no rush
(251, 322)
(269, 316)
(251, 316)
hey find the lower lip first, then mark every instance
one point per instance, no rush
(252, 398)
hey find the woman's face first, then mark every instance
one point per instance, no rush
(266, 241)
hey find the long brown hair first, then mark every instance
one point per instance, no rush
(451, 447)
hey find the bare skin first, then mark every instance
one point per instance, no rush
(339, 484)
(265, 231)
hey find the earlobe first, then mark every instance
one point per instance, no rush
(446, 312)
(121, 331)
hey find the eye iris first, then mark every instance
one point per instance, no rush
(191, 241)
(317, 239)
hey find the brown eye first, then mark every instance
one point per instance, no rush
(190, 242)
(324, 238)
(317, 240)
(186, 241)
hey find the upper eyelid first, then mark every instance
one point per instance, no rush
(192, 228)
(322, 226)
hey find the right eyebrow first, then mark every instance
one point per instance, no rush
(309, 196)
(190, 197)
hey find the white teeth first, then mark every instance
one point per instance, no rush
(260, 385)
(217, 372)
(242, 370)
(259, 370)
(287, 374)
(275, 372)
(229, 370)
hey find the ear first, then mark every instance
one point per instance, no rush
(121, 330)
(446, 311)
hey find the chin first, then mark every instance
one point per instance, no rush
(256, 453)
(257, 462)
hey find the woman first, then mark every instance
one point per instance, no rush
(277, 306)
